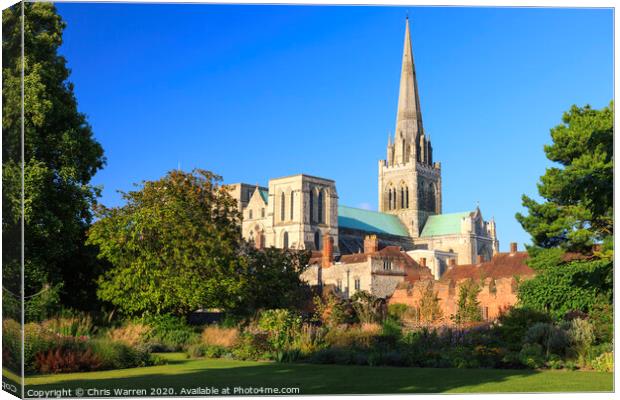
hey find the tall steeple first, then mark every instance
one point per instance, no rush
(409, 116)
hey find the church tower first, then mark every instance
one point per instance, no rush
(409, 180)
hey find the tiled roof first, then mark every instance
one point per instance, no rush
(502, 265)
(264, 194)
(444, 224)
(370, 221)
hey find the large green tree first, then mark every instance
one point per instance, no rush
(60, 158)
(572, 229)
(173, 246)
(176, 246)
(577, 210)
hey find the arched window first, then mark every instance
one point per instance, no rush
(317, 240)
(311, 206)
(292, 204)
(390, 199)
(431, 197)
(406, 196)
(402, 197)
(285, 240)
(282, 206)
(321, 207)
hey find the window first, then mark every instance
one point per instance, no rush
(317, 240)
(311, 206)
(285, 240)
(407, 197)
(250, 214)
(321, 201)
(339, 285)
(402, 197)
(292, 204)
(357, 284)
(387, 265)
(389, 199)
(282, 206)
(262, 212)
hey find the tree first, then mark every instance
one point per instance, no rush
(578, 207)
(173, 247)
(572, 230)
(468, 306)
(368, 307)
(60, 158)
(273, 277)
(430, 309)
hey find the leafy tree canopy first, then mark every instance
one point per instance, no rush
(173, 246)
(61, 156)
(572, 230)
(176, 246)
(578, 207)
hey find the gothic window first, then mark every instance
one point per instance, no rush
(321, 207)
(311, 206)
(282, 207)
(431, 197)
(292, 204)
(402, 197)
(317, 240)
(285, 240)
(406, 196)
(389, 199)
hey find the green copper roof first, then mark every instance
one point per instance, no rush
(264, 194)
(443, 224)
(370, 221)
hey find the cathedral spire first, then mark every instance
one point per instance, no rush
(409, 116)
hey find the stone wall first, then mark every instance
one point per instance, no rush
(496, 295)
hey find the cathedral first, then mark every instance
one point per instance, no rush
(302, 211)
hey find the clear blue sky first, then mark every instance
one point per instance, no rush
(253, 92)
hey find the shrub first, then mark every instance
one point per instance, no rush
(282, 327)
(602, 317)
(551, 338)
(581, 334)
(368, 308)
(311, 338)
(214, 335)
(171, 332)
(604, 362)
(36, 340)
(332, 311)
(201, 350)
(67, 359)
(531, 355)
(351, 337)
(117, 355)
(80, 325)
(252, 346)
(513, 325)
(397, 311)
(11, 344)
(131, 333)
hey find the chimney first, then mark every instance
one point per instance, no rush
(328, 251)
(480, 259)
(513, 247)
(371, 244)
(423, 262)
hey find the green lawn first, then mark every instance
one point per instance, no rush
(316, 379)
